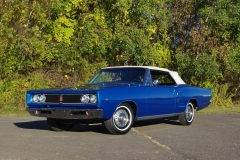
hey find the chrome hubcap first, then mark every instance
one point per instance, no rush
(121, 118)
(189, 113)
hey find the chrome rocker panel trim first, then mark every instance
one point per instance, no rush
(158, 116)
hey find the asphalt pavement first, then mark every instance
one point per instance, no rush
(209, 137)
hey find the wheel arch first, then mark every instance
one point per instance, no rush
(194, 102)
(133, 106)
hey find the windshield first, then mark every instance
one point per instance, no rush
(119, 75)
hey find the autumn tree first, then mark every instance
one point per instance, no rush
(223, 16)
(205, 42)
(192, 43)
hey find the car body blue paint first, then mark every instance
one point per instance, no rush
(113, 97)
(150, 100)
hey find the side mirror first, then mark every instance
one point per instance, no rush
(155, 82)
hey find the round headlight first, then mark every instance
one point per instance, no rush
(93, 98)
(35, 98)
(42, 98)
(85, 98)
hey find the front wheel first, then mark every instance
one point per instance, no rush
(121, 121)
(60, 125)
(187, 117)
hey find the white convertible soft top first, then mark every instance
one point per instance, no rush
(174, 74)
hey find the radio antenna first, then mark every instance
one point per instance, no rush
(74, 71)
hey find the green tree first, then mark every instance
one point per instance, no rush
(23, 45)
(207, 29)
(227, 31)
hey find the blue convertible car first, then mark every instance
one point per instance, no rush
(119, 96)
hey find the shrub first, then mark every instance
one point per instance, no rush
(13, 90)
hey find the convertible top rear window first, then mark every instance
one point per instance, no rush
(163, 78)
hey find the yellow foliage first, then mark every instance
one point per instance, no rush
(63, 29)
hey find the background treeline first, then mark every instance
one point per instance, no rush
(42, 43)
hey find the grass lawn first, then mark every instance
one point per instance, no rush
(13, 113)
(235, 109)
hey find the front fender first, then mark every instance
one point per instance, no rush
(110, 99)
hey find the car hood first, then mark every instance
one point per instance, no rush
(87, 87)
(100, 86)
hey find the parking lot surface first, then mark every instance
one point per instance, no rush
(210, 136)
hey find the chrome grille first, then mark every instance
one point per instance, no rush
(66, 98)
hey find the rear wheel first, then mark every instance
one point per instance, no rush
(187, 117)
(59, 124)
(121, 121)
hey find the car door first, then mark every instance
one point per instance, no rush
(161, 97)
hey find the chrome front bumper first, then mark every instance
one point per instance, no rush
(64, 113)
